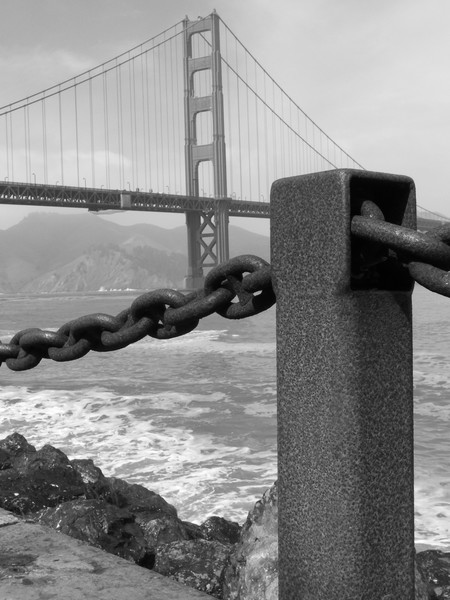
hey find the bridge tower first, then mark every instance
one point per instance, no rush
(207, 232)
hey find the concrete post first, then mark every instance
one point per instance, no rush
(345, 403)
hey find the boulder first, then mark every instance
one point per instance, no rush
(16, 444)
(252, 570)
(31, 480)
(221, 530)
(434, 566)
(95, 483)
(100, 524)
(137, 498)
(196, 563)
(161, 529)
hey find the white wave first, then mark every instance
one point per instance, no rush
(203, 342)
(147, 439)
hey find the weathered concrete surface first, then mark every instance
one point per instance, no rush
(38, 563)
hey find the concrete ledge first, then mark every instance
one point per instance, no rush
(38, 563)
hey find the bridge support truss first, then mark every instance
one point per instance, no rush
(207, 232)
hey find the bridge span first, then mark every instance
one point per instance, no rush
(98, 199)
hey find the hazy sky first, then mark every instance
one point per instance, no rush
(374, 75)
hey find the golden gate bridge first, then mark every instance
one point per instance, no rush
(188, 121)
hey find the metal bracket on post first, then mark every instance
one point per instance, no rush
(345, 395)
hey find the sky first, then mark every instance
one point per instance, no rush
(375, 76)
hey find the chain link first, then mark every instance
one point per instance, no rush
(162, 314)
(426, 255)
(165, 313)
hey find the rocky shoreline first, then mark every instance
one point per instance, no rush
(219, 557)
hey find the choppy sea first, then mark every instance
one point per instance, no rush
(194, 418)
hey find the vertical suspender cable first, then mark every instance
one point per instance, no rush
(300, 156)
(178, 61)
(7, 145)
(173, 75)
(314, 145)
(239, 129)
(148, 123)
(160, 119)
(106, 128)
(76, 133)
(12, 145)
(274, 135)
(135, 111)
(308, 154)
(266, 140)
(257, 135)
(290, 146)
(248, 133)
(131, 123)
(118, 128)
(44, 139)
(61, 149)
(91, 124)
(155, 112)
(29, 139)
(134, 125)
(25, 129)
(143, 128)
(166, 107)
(120, 125)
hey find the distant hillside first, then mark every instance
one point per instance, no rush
(49, 252)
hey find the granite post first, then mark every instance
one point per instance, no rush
(345, 392)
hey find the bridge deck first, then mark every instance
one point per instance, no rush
(97, 199)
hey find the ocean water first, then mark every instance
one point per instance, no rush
(194, 418)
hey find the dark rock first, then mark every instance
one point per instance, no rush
(5, 460)
(421, 589)
(196, 563)
(35, 479)
(100, 524)
(47, 458)
(16, 444)
(194, 531)
(252, 572)
(161, 529)
(221, 530)
(96, 484)
(90, 474)
(434, 566)
(138, 498)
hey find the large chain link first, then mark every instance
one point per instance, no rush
(427, 255)
(161, 314)
(164, 314)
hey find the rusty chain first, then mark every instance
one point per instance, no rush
(166, 313)
(426, 255)
(162, 314)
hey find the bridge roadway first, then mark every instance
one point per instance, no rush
(97, 199)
